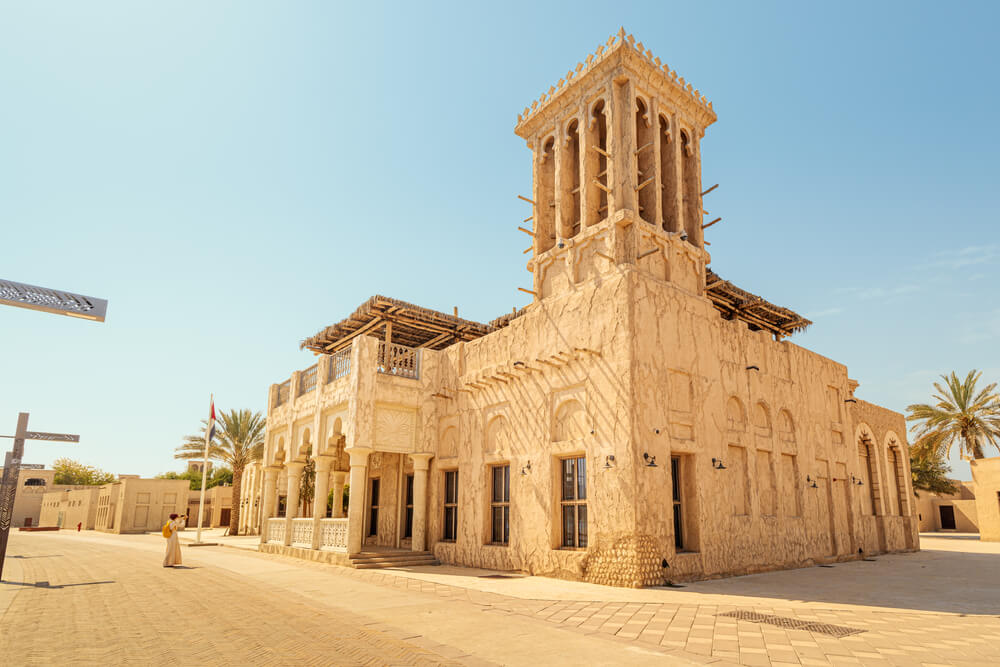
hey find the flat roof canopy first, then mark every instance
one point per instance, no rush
(736, 303)
(412, 325)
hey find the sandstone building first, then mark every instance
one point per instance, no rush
(33, 483)
(641, 420)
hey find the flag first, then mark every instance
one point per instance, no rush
(211, 423)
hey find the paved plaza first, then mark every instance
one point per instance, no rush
(91, 598)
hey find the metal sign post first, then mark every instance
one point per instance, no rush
(52, 300)
(11, 470)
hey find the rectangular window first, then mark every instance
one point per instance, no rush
(500, 505)
(574, 503)
(373, 507)
(408, 521)
(675, 480)
(450, 532)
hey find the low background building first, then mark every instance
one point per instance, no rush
(218, 507)
(66, 509)
(950, 511)
(135, 505)
(33, 482)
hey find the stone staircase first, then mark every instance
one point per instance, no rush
(370, 560)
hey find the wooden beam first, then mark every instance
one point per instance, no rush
(607, 257)
(709, 190)
(435, 341)
(530, 201)
(528, 291)
(345, 341)
(706, 226)
(647, 253)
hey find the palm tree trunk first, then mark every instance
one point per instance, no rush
(234, 515)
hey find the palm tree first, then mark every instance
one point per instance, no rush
(239, 441)
(961, 414)
(930, 473)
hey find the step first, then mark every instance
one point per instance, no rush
(392, 561)
(379, 566)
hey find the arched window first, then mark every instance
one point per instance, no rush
(668, 178)
(692, 197)
(735, 416)
(545, 206)
(645, 161)
(570, 200)
(597, 165)
(34, 481)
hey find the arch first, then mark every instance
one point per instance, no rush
(868, 469)
(668, 177)
(449, 442)
(279, 452)
(645, 161)
(596, 205)
(545, 197)
(690, 191)
(896, 473)
(497, 435)
(305, 442)
(735, 414)
(570, 421)
(786, 426)
(570, 210)
(34, 481)
(762, 418)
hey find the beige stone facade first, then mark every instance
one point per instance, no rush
(33, 483)
(218, 506)
(66, 509)
(135, 505)
(986, 477)
(642, 420)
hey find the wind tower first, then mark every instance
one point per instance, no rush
(617, 171)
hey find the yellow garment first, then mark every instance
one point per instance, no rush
(167, 532)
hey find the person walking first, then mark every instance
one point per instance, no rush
(171, 531)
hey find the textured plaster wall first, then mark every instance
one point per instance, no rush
(986, 475)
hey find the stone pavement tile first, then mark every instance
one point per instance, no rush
(754, 659)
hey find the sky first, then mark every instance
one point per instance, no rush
(234, 176)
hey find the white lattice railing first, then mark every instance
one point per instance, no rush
(333, 534)
(340, 364)
(276, 530)
(302, 532)
(399, 360)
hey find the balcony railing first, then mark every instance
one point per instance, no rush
(284, 389)
(307, 381)
(399, 360)
(340, 364)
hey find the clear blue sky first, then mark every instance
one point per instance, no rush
(235, 176)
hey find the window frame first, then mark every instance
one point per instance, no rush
(576, 502)
(500, 505)
(449, 526)
(374, 498)
(407, 506)
(677, 501)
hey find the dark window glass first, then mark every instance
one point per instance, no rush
(574, 502)
(450, 531)
(500, 506)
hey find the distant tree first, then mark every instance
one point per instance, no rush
(960, 414)
(239, 441)
(930, 473)
(69, 471)
(344, 497)
(218, 476)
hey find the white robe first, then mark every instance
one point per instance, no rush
(173, 555)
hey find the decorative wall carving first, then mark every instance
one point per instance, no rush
(395, 429)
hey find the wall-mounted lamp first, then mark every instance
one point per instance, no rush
(650, 460)
(811, 482)
(850, 400)
(753, 368)
(664, 563)
(717, 464)
(857, 481)
(656, 431)
(525, 469)
(519, 363)
(608, 461)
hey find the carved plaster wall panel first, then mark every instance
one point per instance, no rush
(395, 429)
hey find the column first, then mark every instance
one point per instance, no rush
(421, 463)
(294, 469)
(338, 494)
(323, 463)
(270, 498)
(356, 503)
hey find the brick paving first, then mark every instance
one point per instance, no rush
(296, 617)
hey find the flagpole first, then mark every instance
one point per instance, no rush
(204, 476)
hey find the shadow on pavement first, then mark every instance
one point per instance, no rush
(45, 584)
(40, 556)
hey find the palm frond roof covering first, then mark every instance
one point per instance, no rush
(736, 303)
(412, 325)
